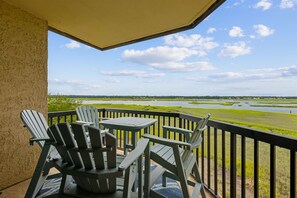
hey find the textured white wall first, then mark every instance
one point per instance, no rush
(23, 85)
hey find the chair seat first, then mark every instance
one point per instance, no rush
(164, 156)
(71, 190)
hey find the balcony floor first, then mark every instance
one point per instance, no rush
(19, 190)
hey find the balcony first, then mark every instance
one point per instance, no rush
(234, 161)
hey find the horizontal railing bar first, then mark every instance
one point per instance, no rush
(144, 112)
(60, 113)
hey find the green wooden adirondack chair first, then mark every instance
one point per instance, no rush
(36, 124)
(176, 158)
(91, 168)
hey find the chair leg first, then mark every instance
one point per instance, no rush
(40, 173)
(164, 181)
(180, 173)
(198, 179)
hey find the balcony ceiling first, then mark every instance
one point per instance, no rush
(106, 24)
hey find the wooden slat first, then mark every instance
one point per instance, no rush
(96, 142)
(65, 133)
(60, 145)
(82, 144)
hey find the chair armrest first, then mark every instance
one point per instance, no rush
(177, 130)
(85, 123)
(135, 154)
(167, 142)
(33, 140)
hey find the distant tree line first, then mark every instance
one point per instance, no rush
(183, 97)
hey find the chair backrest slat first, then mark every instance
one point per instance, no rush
(81, 140)
(96, 142)
(196, 135)
(54, 133)
(66, 134)
(36, 124)
(88, 114)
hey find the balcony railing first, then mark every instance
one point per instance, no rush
(234, 161)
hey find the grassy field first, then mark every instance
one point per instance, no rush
(280, 123)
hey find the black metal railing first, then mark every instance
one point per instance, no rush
(234, 161)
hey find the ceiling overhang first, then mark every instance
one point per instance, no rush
(106, 24)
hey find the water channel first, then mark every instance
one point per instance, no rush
(244, 105)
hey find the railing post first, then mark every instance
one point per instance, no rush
(256, 168)
(233, 165)
(293, 174)
(272, 172)
(103, 113)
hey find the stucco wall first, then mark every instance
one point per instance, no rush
(23, 85)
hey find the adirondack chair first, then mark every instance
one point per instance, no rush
(36, 124)
(90, 168)
(176, 158)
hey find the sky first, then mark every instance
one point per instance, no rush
(244, 48)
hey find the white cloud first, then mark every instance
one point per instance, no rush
(236, 32)
(195, 41)
(72, 87)
(211, 30)
(264, 4)
(263, 30)
(166, 58)
(267, 73)
(256, 74)
(183, 66)
(236, 49)
(135, 73)
(73, 44)
(287, 4)
(159, 54)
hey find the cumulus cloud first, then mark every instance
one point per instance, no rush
(263, 4)
(263, 30)
(73, 44)
(211, 30)
(195, 41)
(159, 54)
(167, 58)
(236, 49)
(287, 4)
(236, 32)
(135, 73)
(172, 56)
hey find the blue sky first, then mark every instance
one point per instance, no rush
(244, 48)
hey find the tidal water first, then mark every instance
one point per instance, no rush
(244, 105)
